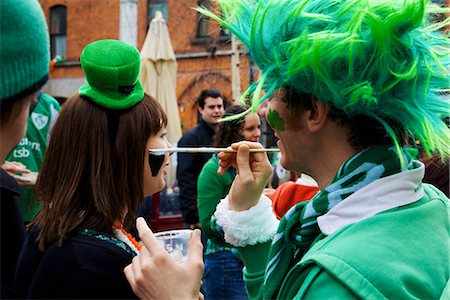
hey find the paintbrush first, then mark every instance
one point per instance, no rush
(204, 150)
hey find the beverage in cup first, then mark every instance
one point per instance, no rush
(176, 242)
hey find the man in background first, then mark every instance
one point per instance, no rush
(211, 108)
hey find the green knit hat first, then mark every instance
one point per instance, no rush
(24, 48)
(112, 69)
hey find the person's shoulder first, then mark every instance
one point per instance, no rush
(88, 249)
(48, 100)
(210, 167)
(189, 136)
(82, 267)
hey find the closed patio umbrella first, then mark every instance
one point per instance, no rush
(158, 77)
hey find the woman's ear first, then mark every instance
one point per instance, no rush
(317, 116)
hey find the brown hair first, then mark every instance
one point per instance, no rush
(229, 132)
(93, 168)
(437, 172)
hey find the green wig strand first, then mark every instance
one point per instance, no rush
(381, 58)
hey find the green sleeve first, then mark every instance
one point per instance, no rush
(255, 259)
(319, 284)
(211, 188)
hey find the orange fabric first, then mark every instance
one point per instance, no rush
(288, 194)
(129, 236)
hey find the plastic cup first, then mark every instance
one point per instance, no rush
(176, 242)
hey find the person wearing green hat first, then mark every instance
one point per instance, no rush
(96, 172)
(24, 59)
(350, 83)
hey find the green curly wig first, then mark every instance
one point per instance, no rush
(381, 58)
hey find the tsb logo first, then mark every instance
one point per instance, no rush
(21, 152)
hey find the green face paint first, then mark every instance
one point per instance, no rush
(275, 121)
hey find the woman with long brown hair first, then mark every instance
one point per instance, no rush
(96, 172)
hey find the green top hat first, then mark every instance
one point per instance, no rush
(112, 69)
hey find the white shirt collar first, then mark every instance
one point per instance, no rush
(381, 195)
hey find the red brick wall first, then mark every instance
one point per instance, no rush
(89, 20)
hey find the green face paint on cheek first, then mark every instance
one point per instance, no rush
(275, 121)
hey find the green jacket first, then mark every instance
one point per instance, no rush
(211, 188)
(400, 253)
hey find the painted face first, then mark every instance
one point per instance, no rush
(213, 110)
(291, 139)
(251, 131)
(155, 166)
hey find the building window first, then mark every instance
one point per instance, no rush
(58, 30)
(224, 32)
(154, 6)
(202, 20)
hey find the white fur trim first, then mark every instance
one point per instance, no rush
(248, 227)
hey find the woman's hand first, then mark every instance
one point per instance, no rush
(253, 171)
(154, 274)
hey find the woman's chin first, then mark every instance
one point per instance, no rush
(158, 184)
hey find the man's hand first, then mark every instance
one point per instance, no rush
(253, 171)
(154, 274)
(27, 178)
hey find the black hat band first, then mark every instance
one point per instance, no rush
(126, 89)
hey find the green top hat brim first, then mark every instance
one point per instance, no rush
(113, 99)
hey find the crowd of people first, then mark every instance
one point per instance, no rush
(347, 86)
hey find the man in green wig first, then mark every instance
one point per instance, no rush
(349, 83)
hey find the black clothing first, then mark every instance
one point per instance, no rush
(189, 167)
(83, 267)
(12, 231)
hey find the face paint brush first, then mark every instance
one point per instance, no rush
(204, 150)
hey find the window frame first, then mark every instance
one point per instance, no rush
(58, 13)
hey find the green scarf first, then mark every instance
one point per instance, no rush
(298, 229)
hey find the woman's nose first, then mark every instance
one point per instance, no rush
(169, 145)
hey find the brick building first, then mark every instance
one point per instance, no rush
(202, 49)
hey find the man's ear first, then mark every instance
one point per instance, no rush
(318, 115)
